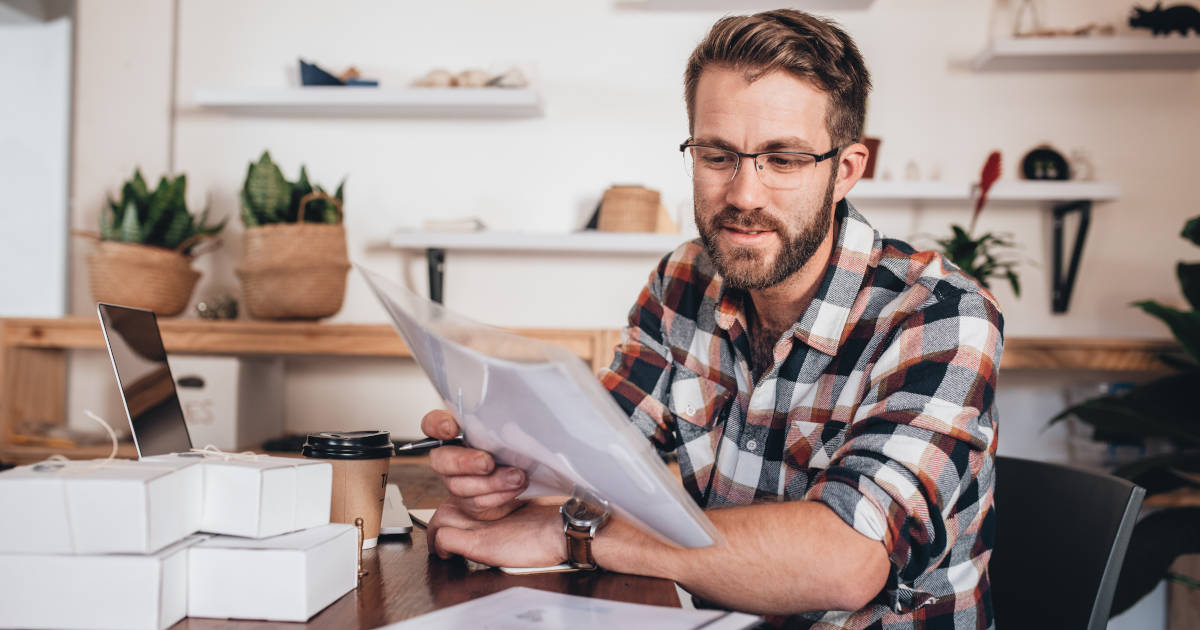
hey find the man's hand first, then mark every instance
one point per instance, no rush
(532, 536)
(479, 490)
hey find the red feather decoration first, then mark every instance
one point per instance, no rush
(987, 177)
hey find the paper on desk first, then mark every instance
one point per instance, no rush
(520, 608)
(536, 406)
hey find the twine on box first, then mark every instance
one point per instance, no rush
(59, 462)
(211, 450)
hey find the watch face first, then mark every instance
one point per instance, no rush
(582, 514)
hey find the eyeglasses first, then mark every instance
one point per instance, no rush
(781, 170)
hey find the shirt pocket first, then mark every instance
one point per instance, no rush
(812, 445)
(695, 401)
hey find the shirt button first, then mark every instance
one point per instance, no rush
(691, 410)
(751, 445)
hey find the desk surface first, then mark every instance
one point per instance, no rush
(405, 581)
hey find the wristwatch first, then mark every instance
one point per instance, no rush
(581, 521)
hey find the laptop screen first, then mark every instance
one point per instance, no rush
(147, 389)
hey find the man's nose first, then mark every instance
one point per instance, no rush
(746, 191)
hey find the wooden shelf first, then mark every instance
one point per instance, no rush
(375, 102)
(1090, 53)
(198, 336)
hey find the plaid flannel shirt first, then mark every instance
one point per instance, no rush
(880, 404)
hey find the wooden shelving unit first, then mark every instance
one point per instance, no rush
(33, 358)
(1090, 53)
(374, 101)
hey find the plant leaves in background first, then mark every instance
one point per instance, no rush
(1157, 540)
(1189, 282)
(1185, 325)
(1191, 230)
(131, 230)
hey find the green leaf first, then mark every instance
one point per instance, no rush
(1189, 282)
(1191, 230)
(1012, 279)
(157, 210)
(1185, 325)
(1163, 407)
(340, 189)
(108, 222)
(267, 193)
(130, 228)
(180, 229)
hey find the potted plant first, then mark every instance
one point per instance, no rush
(294, 264)
(977, 255)
(147, 241)
(1161, 409)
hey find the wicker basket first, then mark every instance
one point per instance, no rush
(295, 270)
(633, 209)
(153, 278)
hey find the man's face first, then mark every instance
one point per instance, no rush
(758, 236)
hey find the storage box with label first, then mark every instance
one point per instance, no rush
(284, 578)
(232, 403)
(132, 591)
(259, 495)
(116, 506)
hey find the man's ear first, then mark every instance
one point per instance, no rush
(852, 161)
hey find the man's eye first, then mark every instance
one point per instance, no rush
(716, 160)
(785, 162)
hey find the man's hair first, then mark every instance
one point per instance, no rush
(803, 45)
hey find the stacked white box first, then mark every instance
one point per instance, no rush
(84, 507)
(284, 578)
(95, 591)
(258, 496)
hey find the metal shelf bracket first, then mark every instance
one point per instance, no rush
(1063, 286)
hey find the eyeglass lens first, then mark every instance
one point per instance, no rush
(712, 166)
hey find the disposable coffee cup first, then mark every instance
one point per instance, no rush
(360, 469)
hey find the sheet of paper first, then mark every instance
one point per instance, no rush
(538, 407)
(523, 608)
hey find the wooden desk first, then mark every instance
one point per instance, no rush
(405, 581)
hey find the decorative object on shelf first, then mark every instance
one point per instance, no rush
(1027, 23)
(1160, 21)
(1026, 20)
(294, 264)
(632, 209)
(1081, 165)
(473, 78)
(1161, 409)
(313, 75)
(872, 156)
(218, 307)
(147, 241)
(1044, 163)
(976, 255)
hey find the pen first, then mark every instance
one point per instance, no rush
(421, 445)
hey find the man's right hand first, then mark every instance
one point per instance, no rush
(478, 488)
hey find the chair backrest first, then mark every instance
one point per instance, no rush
(1061, 536)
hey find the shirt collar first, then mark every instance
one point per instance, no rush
(823, 324)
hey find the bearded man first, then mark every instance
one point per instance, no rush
(829, 392)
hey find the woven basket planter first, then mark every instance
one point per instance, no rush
(633, 209)
(294, 270)
(153, 278)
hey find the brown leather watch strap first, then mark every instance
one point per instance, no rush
(579, 549)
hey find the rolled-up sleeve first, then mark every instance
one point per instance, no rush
(907, 474)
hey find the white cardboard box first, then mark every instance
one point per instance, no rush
(230, 402)
(284, 578)
(120, 591)
(119, 506)
(262, 496)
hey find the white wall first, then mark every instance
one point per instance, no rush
(34, 159)
(612, 83)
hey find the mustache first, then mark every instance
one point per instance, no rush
(746, 219)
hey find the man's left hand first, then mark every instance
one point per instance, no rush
(532, 536)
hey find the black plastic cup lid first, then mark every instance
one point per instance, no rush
(348, 445)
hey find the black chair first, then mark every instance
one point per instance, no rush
(1061, 536)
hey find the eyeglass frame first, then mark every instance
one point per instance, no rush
(817, 158)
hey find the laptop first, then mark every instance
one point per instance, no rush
(147, 387)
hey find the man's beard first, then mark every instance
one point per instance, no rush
(743, 267)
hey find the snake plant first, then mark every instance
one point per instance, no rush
(158, 217)
(268, 197)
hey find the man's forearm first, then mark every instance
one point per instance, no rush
(777, 558)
